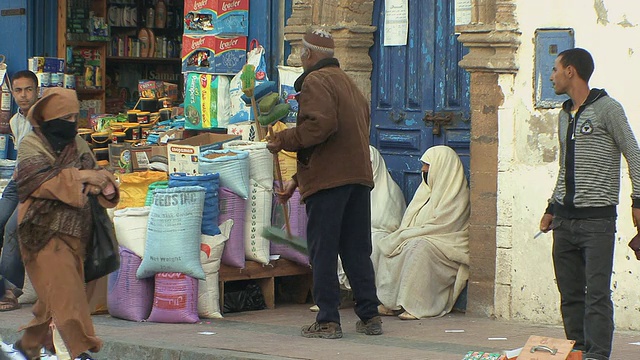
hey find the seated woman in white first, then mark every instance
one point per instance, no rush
(387, 206)
(422, 267)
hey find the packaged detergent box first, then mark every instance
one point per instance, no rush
(216, 17)
(213, 54)
(206, 101)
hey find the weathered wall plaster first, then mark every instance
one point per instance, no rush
(528, 151)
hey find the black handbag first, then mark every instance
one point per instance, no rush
(102, 257)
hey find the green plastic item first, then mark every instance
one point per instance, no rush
(268, 102)
(154, 185)
(279, 112)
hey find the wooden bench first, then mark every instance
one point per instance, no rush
(265, 276)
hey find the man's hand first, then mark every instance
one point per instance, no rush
(634, 244)
(545, 223)
(635, 214)
(288, 188)
(274, 145)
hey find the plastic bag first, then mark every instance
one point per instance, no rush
(243, 296)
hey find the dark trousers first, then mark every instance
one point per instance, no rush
(339, 223)
(583, 261)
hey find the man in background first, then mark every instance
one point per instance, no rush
(24, 86)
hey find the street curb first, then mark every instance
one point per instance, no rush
(120, 350)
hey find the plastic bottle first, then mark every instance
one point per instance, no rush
(88, 76)
(161, 14)
(98, 77)
(150, 16)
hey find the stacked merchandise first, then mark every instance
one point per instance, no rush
(50, 73)
(5, 111)
(161, 15)
(213, 46)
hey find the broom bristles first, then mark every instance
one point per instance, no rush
(280, 236)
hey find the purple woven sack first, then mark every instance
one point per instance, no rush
(232, 206)
(298, 222)
(127, 297)
(175, 299)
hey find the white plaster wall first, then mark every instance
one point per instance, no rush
(528, 164)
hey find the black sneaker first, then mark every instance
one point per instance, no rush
(84, 356)
(372, 326)
(330, 330)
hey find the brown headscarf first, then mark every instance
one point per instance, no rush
(39, 163)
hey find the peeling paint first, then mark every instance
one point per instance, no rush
(601, 11)
(626, 23)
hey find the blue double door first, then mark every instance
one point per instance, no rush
(420, 96)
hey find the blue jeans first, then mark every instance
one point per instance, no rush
(11, 266)
(583, 261)
(8, 204)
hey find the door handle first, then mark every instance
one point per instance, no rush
(436, 120)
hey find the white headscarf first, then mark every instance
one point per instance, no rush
(439, 211)
(387, 201)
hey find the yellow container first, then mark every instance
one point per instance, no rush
(131, 130)
(145, 130)
(85, 134)
(101, 154)
(100, 139)
(132, 115)
(143, 117)
(118, 137)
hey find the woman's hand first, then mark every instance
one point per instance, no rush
(94, 177)
(100, 178)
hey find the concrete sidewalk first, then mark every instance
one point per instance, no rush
(275, 334)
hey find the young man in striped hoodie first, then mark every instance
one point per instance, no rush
(593, 132)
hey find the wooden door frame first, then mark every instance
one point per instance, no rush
(492, 39)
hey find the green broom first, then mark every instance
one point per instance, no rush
(272, 233)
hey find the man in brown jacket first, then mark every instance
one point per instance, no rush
(335, 179)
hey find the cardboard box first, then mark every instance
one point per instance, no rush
(216, 17)
(183, 155)
(206, 101)
(214, 55)
(151, 89)
(36, 64)
(171, 91)
(53, 65)
(140, 158)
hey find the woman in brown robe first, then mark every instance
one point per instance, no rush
(56, 173)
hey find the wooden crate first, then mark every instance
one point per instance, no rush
(265, 276)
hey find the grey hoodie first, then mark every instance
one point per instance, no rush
(588, 184)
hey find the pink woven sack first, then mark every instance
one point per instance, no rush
(127, 297)
(175, 300)
(232, 206)
(298, 222)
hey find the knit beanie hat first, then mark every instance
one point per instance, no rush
(318, 40)
(55, 103)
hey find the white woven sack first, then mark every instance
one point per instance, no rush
(257, 216)
(260, 160)
(131, 228)
(233, 169)
(211, 249)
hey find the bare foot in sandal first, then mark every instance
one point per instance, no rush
(9, 301)
(385, 311)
